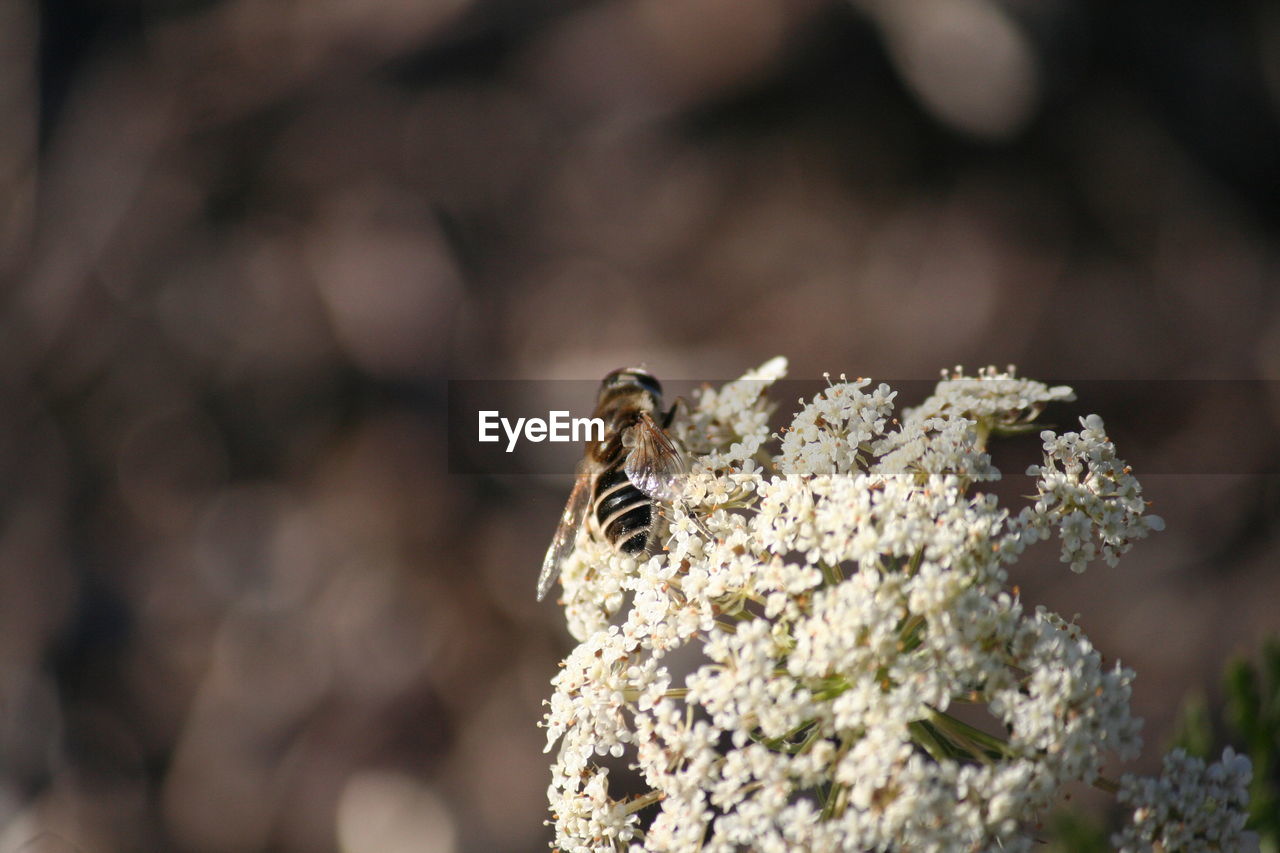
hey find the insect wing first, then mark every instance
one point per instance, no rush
(567, 531)
(655, 465)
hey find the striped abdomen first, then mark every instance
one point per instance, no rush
(623, 512)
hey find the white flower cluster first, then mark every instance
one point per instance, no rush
(1089, 495)
(826, 656)
(1191, 808)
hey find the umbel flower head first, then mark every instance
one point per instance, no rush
(786, 675)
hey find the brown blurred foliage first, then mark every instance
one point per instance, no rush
(243, 604)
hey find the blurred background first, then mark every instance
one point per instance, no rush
(245, 606)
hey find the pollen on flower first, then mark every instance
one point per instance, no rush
(832, 591)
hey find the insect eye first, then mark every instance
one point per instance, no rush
(632, 376)
(648, 382)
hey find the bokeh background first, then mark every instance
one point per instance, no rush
(244, 604)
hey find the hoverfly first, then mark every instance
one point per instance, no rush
(623, 477)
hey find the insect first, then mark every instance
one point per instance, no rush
(622, 478)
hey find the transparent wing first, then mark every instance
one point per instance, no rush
(566, 532)
(655, 465)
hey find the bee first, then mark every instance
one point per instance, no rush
(622, 479)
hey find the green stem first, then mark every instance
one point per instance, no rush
(643, 801)
(832, 800)
(910, 633)
(837, 797)
(983, 745)
(810, 739)
(632, 694)
(923, 734)
(982, 431)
